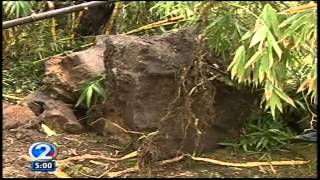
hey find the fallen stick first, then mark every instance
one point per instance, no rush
(248, 164)
(88, 156)
(173, 160)
(119, 173)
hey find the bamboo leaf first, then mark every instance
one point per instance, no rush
(303, 86)
(48, 131)
(281, 72)
(275, 45)
(260, 35)
(60, 174)
(246, 35)
(253, 59)
(12, 10)
(275, 103)
(237, 57)
(211, 25)
(256, 74)
(295, 26)
(270, 17)
(285, 97)
(301, 104)
(264, 63)
(89, 95)
(81, 98)
(270, 53)
(240, 68)
(268, 90)
(98, 89)
(289, 20)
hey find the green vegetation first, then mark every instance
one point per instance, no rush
(26, 47)
(93, 92)
(262, 134)
(270, 46)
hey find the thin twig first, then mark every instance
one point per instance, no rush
(89, 156)
(119, 173)
(88, 175)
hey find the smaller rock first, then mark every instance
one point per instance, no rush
(15, 116)
(54, 113)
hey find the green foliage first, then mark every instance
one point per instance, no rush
(139, 13)
(24, 46)
(21, 77)
(225, 28)
(262, 134)
(16, 9)
(93, 92)
(278, 47)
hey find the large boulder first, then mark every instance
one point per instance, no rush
(142, 76)
(157, 84)
(148, 79)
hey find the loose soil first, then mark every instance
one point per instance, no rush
(17, 141)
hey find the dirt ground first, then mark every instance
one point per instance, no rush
(16, 164)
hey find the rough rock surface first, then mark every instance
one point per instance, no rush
(67, 74)
(54, 113)
(144, 77)
(15, 116)
(142, 73)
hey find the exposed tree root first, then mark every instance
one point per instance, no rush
(248, 164)
(222, 163)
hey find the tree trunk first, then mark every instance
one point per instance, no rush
(94, 19)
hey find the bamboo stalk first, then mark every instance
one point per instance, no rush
(110, 24)
(169, 21)
(12, 97)
(73, 24)
(301, 8)
(166, 22)
(63, 53)
(53, 22)
(53, 13)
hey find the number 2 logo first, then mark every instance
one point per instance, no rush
(42, 151)
(44, 154)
